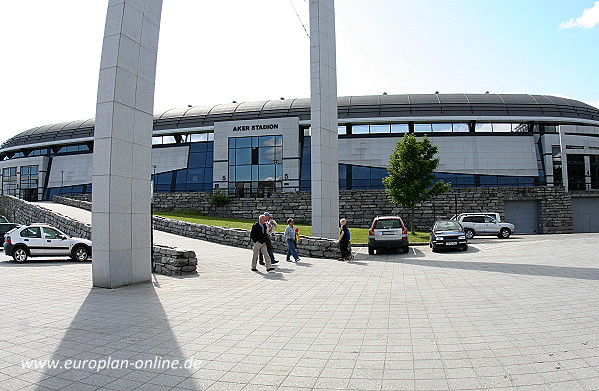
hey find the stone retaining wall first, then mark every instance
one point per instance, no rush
(167, 260)
(359, 207)
(308, 246)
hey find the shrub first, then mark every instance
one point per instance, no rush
(220, 198)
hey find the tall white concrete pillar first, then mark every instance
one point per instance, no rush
(323, 77)
(121, 219)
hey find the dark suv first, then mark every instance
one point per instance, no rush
(387, 232)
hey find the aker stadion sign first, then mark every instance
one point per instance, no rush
(244, 128)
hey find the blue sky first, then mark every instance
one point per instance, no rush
(217, 52)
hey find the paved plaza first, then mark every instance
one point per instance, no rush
(516, 314)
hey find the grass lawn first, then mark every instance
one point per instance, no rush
(358, 235)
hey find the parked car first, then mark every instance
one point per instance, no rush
(495, 215)
(481, 224)
(448, 234)
(42, 240)
(387, 232)
(7, 227)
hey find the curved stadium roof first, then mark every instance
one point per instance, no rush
(405, 106)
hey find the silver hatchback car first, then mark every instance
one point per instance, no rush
(41, 240)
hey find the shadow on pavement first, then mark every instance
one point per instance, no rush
(120, 339)
(42, 262)
(583, 273)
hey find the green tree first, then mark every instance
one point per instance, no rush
(411, 178)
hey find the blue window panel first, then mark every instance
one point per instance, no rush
(380, 128)
(266, 141)
(378, 173)
(483, 128)
(359, 172)
(254, 173)
(341, 129)
(243, 156)
(198, 147)
(360, 129)
(197, 160)
(400, 128)
(360, 183)
(243, 142)
(488, 180)
(164, 178)
(279, 171)
(441, 127)
(465, 179)
(231, 157)
(232, 174)
(266, 172)
(243, 173)
(460, 128)
(266, 155)
(422, 128)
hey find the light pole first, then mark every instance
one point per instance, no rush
(61, 181)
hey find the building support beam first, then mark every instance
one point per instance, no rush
(121, 218)
(324, 149)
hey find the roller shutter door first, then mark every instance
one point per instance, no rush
(585, 212)
(524, 214)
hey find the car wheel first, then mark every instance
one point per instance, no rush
(505, 233)
(406, 249)
(80, 253)
(370, 251)
(469, 233)
(434, 248)
(19, 254)
(465, 248)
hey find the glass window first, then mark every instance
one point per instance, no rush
(168, 140)
(341, 129)
(422, 128)
(460, 128)
(156, 140)
(31, 232)
(266, 141)
(521, 128)
(441, 127)
(243, 142)
(380, 128)
(502, 127)
(266, 155)
(400, 128)
(359, 129)
(483, 128)
(266, 172)
(243, 173)
(551, 128)
(199, 137)
(50, 233)
(243, 156)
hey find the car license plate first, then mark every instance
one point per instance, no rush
(388, 233)
(452, 243)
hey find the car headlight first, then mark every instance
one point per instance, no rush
(462, 237)
(439, 238)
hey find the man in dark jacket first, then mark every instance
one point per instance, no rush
(258, 236)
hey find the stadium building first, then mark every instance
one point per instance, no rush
(257, 148)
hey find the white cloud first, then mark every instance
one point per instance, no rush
(589, 18)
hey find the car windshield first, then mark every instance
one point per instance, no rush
(448, 226)
(387, 224)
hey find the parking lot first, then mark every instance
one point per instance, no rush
(521, 313)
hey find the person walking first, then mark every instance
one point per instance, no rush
(271, 224)
(290, 236)
(344, 238)
(259, 236)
